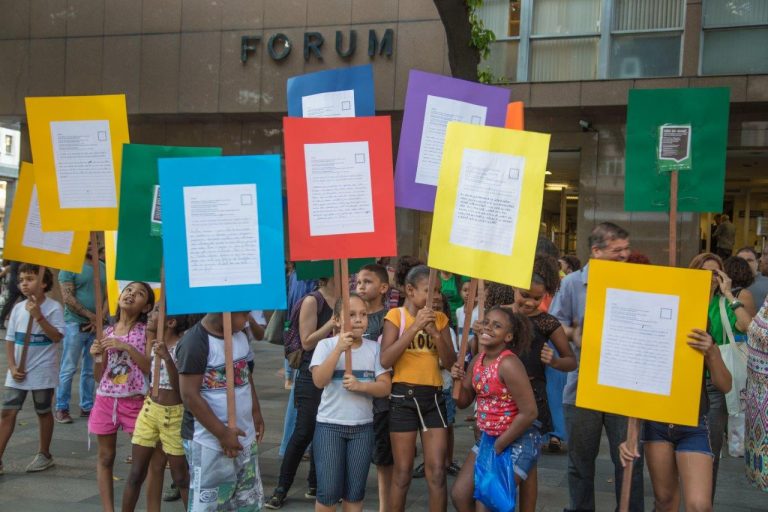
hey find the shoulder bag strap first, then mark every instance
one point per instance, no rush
(727, 330)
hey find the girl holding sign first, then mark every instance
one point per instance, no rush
(680, 456)
(344, 434)
(506, 407)
(415, 343)
(121, 361)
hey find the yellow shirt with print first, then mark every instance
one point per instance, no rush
(419, 364)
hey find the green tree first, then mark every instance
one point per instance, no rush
(468, 39)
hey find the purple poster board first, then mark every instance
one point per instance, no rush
(431, 101)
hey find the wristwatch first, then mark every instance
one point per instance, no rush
(736, 304)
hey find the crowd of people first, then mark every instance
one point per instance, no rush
(518, 381)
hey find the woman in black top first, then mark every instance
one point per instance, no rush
(545, 281)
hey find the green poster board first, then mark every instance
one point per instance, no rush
(651, 151)
(306, 270)
(139, 248)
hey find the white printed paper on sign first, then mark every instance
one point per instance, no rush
(487, 201)
(329, 104)
(437, 114)
(339, 188)
(638, 345)
(35, 237)
(82, 152)
(222, 228)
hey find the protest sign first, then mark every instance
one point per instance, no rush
(488, 203)
(431, 102)
(634, 357)
(343, 92)
(340, 193)
(77, 150)
(27, 242)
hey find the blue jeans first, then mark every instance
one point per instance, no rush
(290, 419)
(76, 344)
(346, 453)
(585, 428)
(555, 384)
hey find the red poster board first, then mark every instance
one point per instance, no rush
(341, 201)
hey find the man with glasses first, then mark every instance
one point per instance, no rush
(759, 288)
(584, 426)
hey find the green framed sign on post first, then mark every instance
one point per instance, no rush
(682, 130)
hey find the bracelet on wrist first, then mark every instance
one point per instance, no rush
(736, 304)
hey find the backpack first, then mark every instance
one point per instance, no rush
(294, 352)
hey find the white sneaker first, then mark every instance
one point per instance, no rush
(39, 463)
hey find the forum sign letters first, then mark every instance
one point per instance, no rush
(279, 45)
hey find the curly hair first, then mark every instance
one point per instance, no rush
(739, 271)
(404, 265)
(497, 294)
(546, 271)
(521, 328)
(572, 261)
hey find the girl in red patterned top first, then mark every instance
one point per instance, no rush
(506, 407)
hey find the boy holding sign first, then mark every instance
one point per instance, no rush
(39, 371)
(233, 479)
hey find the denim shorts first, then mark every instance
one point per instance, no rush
(450, 407)
(526, 450)
(41, 398)
(683, 438)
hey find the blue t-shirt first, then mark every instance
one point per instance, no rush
(83, 290)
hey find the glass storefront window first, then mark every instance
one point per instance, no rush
(563, 59)
(502, 60)
(638, 56)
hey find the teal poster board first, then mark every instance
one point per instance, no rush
(139, 246)
(652, 151)
(306, 270)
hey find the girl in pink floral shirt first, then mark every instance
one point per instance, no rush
(121, 361)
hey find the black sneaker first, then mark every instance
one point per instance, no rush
(276, 501)
(419, 471)
(311, 493)
(172, 493)
(453, 469)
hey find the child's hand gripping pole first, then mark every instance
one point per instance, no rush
(469, 306)
(229, 367)
(633, 427)
(22, 363)
(159, 334)
(343, 264)
(97, 292)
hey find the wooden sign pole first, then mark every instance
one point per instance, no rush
(468, 307)
(229, 368)
(22, 363)
(480, 300)
(160, 334)
(633, 424)
(97, 292)
(345, 320)
(432, 283)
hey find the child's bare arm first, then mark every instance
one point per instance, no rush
(515, 378)
(445, 348)
(464, 378)
(258, 419)
(393, 345)
(189, 388)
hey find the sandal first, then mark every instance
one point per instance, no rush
(555, 446)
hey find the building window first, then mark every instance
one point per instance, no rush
(564, 40)
(646, 38)
(503, 18)
(735, 37)
(8, 144)
(561, 40)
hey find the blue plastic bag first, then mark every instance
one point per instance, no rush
(495, 477)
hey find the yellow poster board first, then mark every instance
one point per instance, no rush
(488, 203)
(77, 148)
(25, 240)
(635, 360)
(115, 286)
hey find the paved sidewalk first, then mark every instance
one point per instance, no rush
(72, 482)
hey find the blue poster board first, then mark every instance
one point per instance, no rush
(343, 92)
(222, 233)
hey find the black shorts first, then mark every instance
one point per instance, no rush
(414, 408)
(14, 399)
(382, 448)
